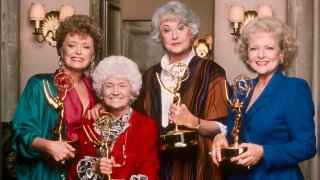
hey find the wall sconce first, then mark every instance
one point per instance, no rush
(241, 18)
(47, 24)
(203, 47)
(236, 16)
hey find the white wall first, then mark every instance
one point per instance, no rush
(40, 57)
(224, 42)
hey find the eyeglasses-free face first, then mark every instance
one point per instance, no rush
(176, 39)
(116, 93)
(264, 53)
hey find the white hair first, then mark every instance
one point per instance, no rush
(117, 66)
(174, 9)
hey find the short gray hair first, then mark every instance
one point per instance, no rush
(117, 66)
(174, 9)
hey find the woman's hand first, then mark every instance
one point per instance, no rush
(218, 141)
(250, 157)
(180, 115)
(103, 166)
(60, 151)
(95, 111)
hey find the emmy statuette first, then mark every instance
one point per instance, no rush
(242, 85)
(177, 138)
(63, 82)
(104, 124)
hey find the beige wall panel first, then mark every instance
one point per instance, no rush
(143, 10)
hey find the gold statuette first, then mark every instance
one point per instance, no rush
(177, 138)
(104, 124)
(242, 85)
(63, 83)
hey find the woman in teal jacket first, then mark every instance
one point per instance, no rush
(39, 154)
(278, 129)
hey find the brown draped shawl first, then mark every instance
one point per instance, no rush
(204, 95)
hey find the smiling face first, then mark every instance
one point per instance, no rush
(77, 52)
(264, 54)
(116, 93)
(176, 39)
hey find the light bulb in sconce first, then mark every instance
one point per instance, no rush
(66, 11)
(46, 24)
(241, 18)
(236, 16)
(265, 11)
(37, 14)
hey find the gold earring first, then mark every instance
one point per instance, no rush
(281, 60)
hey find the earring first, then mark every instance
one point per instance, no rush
(248, 62)
(60, 62)
(91, 68)
(131, 100)
(281, 60)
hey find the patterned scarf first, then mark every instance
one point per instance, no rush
(118, 126)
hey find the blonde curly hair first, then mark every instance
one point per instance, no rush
(281, 32)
